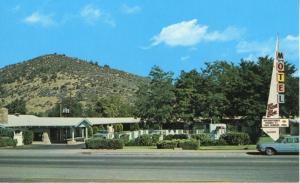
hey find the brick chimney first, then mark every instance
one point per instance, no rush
(3, 115)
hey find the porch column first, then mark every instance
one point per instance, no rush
(73, 134)
(86, 133)
(82, 132)
(45, 136)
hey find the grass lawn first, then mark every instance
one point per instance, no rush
(265, 140)
(229, 147)
(225, 147)
(139, 147)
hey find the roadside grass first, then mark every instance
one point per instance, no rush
(229, 147)
(225, 147)
(139, 147)
(265, 140)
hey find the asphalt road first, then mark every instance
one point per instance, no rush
(100, 166)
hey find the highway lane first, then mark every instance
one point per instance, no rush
(75, 166)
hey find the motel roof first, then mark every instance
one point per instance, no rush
(31, 120)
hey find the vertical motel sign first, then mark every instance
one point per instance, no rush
(272, 121)
(280, 78)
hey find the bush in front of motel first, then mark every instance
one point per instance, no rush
(155, 138)
(203, 138)
(235, 138)
(166, 144)
(27, 137)
(181, 143)
(6, 132)
(99, 143)
(124, 138)
(176, 136)
(189, 144)
(7, 141)
(144, 140)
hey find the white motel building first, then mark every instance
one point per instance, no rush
(57, 129)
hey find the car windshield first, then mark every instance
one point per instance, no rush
(280, 140)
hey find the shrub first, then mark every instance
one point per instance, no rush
(131, 143)
(203, 138)
(155, 138)
(7, 141)
(118, 127)
(90, 131)
(235, 138)
(124, 138)
(144, 140)
(27, 137)
(176, 136)
(6, 132)
(189, 145)
(98, 143)
(157, 126)
(134, 127)
(95, 129)
(166, 144)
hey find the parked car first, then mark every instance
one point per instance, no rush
(101, 134)
(285, 144)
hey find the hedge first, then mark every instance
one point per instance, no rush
(6, 132)
(203, 138)
(124, 138)
(98, 143)
(184, 144)
(155, 138)
(118, 127)
(189, 145)
(27, 137)
(166, 144)
(176, 136)
(144, 140)
(7, 141)
(236, 138)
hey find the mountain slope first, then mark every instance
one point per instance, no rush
(42, 81)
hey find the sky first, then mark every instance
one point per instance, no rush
(135, 35)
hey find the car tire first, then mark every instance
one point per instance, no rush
(270, 151)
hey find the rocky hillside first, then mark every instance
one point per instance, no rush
(43, 80)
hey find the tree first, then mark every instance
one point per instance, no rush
(186, 96)
(74, 108)
(155, 100)
(17, 106)
(112, 106)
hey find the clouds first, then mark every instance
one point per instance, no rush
(257, 47)
(288, 45)
(91, 14)
(130, 9)
(190, 33)
(37, 18)
(185, 33)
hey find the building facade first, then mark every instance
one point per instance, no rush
(49, 130)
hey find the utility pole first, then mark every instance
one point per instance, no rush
(60, 103)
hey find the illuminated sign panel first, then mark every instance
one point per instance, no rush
(280, 88)
(280, 77)
(275, 122)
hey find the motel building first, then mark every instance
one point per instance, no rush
(47, 130)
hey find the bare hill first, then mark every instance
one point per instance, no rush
(43, 80)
